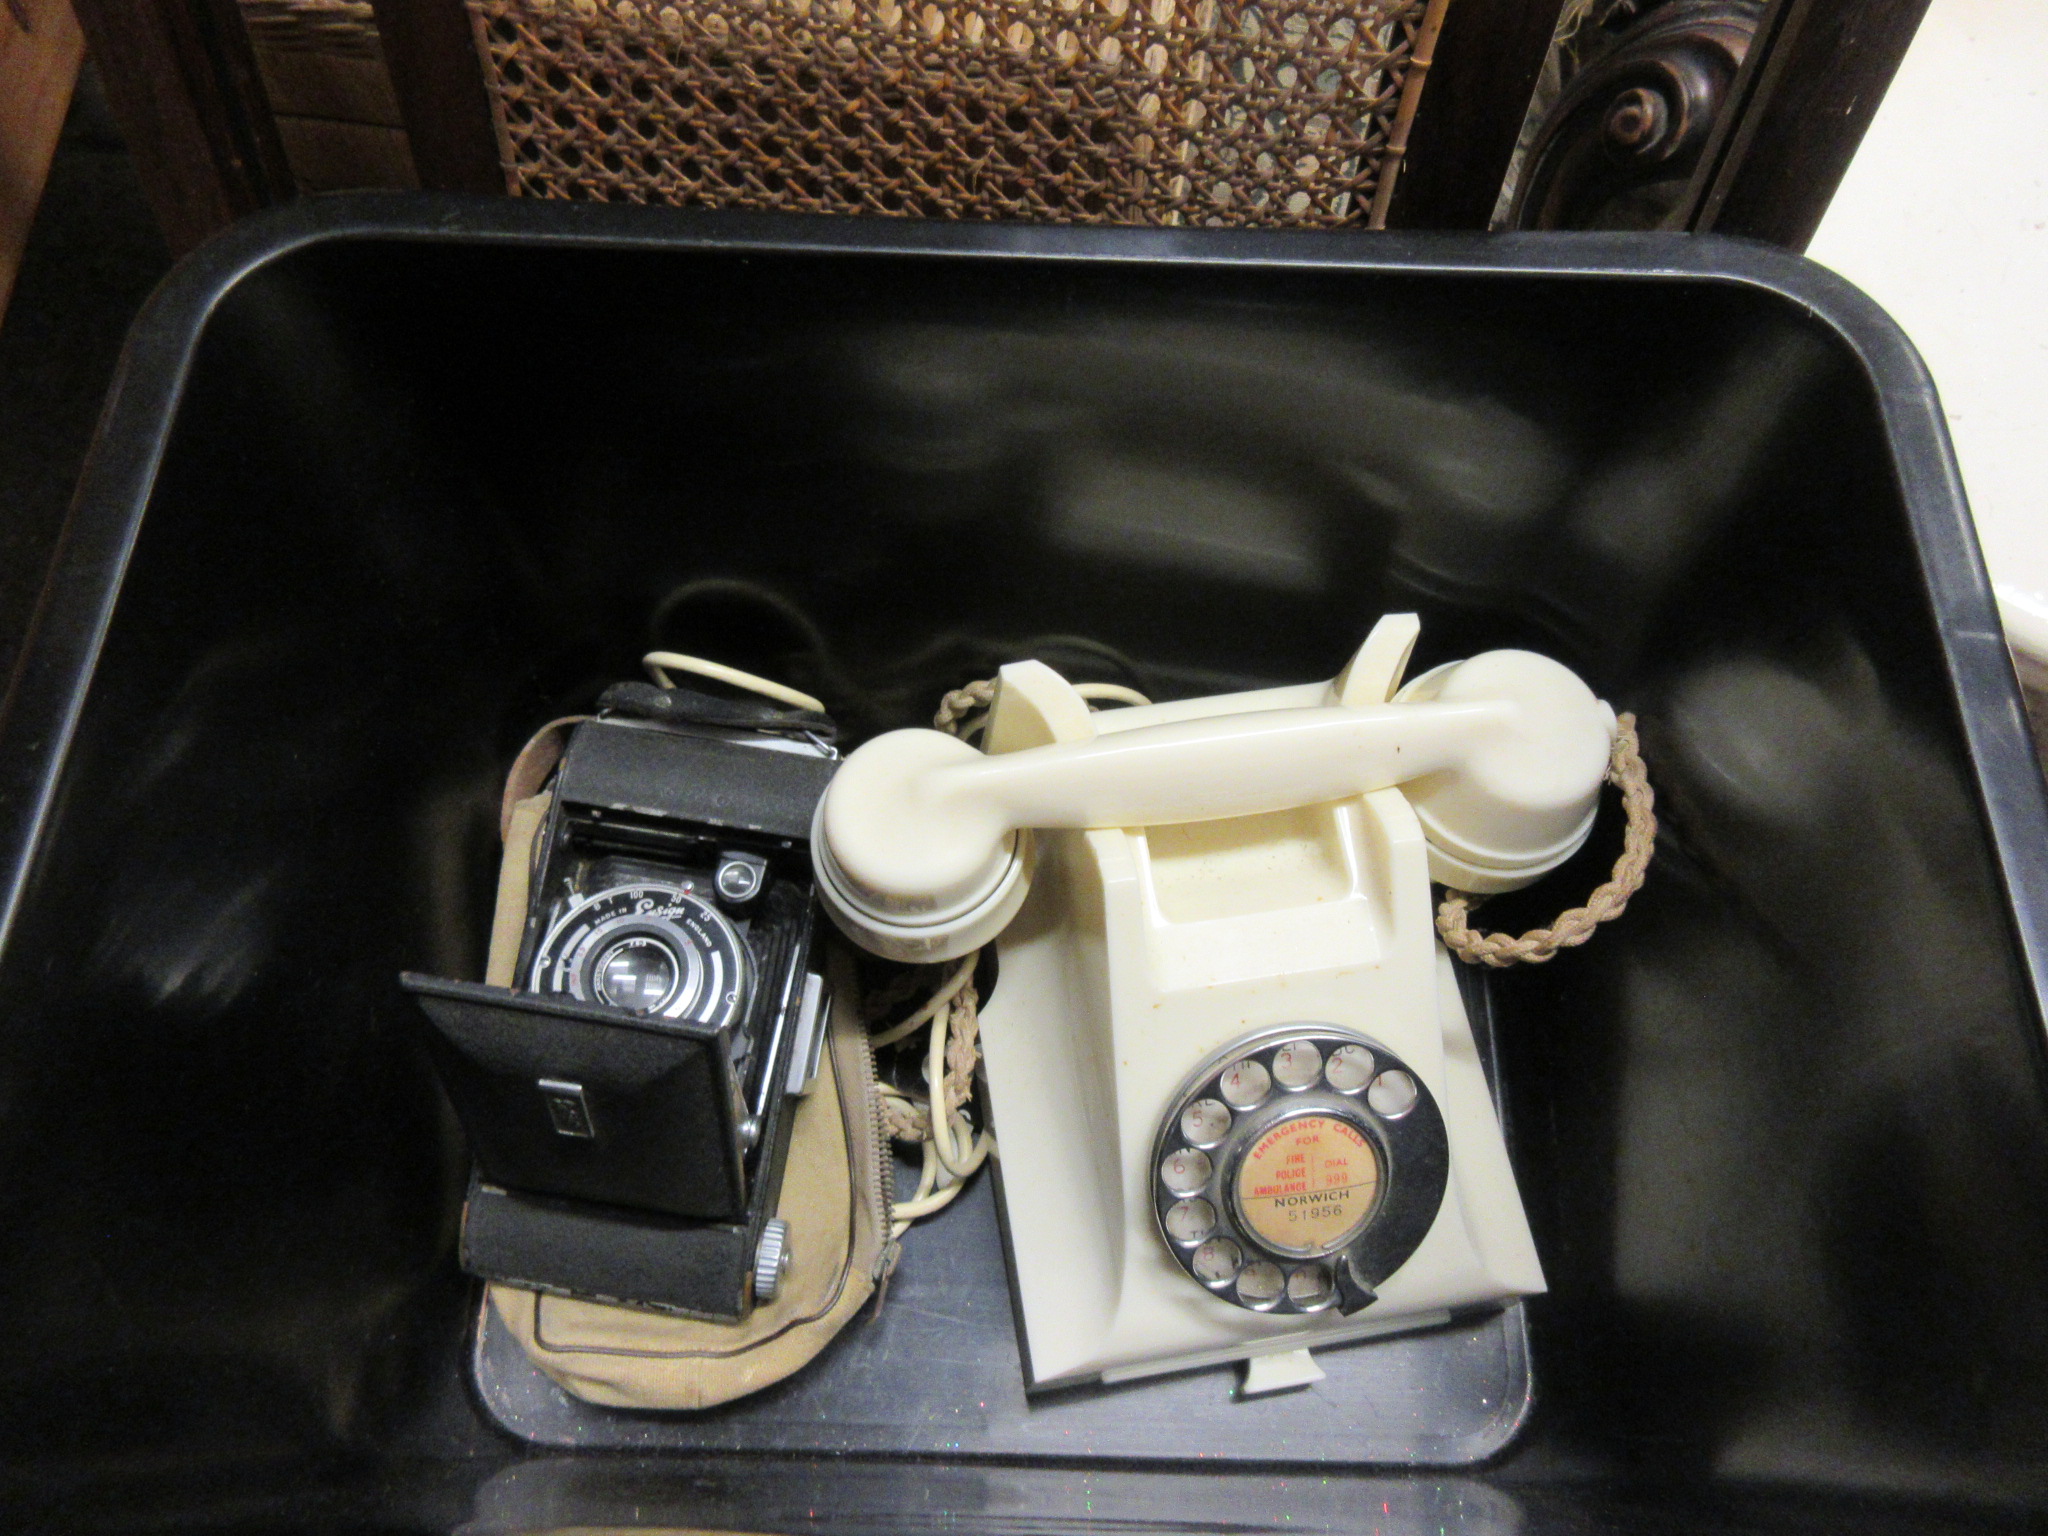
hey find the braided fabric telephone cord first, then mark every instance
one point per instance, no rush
(1625, 772)
(962, 1005)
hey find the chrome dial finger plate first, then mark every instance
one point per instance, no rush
(1298, 1168)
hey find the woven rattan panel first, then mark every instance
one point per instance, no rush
(1103, 111)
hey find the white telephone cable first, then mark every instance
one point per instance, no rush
(660, 663)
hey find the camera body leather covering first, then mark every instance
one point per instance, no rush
(626, 1074)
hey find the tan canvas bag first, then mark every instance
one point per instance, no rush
(835, 1192)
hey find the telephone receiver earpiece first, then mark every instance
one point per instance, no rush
(923, 845)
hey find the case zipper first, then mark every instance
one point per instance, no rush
(880, 1170)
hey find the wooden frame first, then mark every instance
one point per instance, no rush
(182, 83)
(441, 94)
(1799, 109)
(1481, 77)
(40, 50)
(1768, 138)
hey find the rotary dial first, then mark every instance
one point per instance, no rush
(1298, 1168)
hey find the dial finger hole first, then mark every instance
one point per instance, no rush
(1185, 1171)
(1259, 1284)
(1217, 1261)
(1350, 1068)
(1205, 1122)
(1360, 1270)
(1190, 1221)
(1312, 1287)
(1297, 1063)
(1245, 1084)
(1392, 1094)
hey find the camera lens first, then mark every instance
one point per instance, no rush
(637, 973)
(649, 948)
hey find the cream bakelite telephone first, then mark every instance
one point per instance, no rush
(1240, 1108)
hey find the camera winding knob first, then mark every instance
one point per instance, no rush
(771, 1260)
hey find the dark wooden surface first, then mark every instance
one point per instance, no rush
(1487, 61)
(94, 252)
(440, 84)
(1823, 71)
(181, 81)
(40, 49)
(1742, 92)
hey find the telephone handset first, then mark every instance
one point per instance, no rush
(923, 840)
(1238, 1099)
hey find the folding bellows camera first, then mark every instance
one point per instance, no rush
(627, 1100)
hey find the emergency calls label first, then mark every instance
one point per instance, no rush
(1308, 1185)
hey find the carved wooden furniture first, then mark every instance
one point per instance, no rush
(1736, 115)
(1619, 148)
(1732, 115)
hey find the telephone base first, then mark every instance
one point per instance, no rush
(1286, 1372)
(1266, 1349)
(1084, 1057)
(1231, 1071)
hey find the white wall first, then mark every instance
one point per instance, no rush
(1943, 219)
